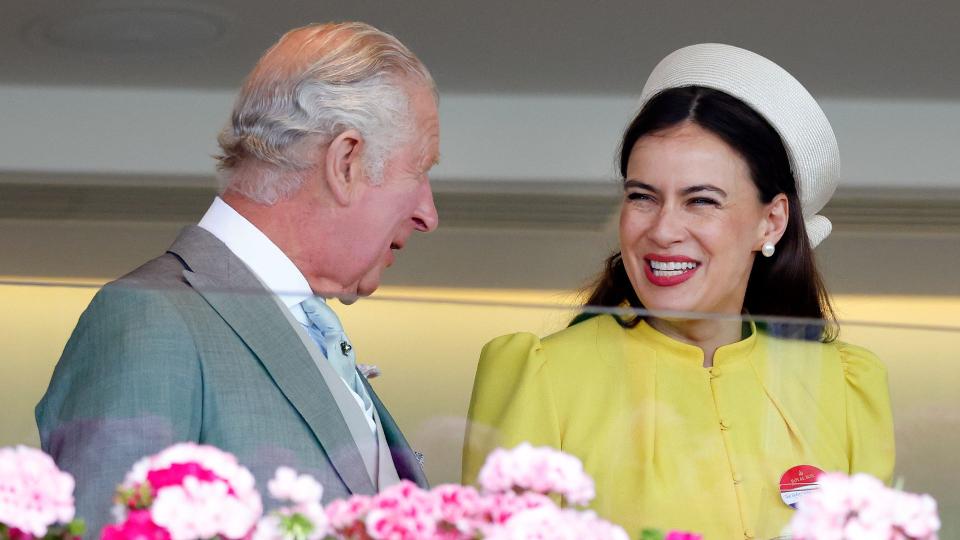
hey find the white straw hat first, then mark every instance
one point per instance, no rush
(780, 99)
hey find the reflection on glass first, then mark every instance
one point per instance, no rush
(427, 355)
(663, 431)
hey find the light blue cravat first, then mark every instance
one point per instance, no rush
(325, 329)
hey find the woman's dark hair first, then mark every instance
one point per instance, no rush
(785, 285)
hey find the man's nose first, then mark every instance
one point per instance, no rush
(426, 217)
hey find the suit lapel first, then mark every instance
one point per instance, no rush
(406, 462)
(250, 310)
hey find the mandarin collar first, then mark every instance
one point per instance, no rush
(724, 355)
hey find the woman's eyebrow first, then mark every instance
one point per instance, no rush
(637, 184)
(703, 187)
(640, 185)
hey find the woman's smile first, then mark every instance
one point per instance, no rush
(669, 270)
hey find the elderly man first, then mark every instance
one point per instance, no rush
(226, 338)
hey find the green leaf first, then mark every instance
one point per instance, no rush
(57, 532)
(77, 527)
(296, 526)
(899, 483)
(122, 496)
(146, 495)
(651, 534)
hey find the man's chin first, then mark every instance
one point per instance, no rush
(347, 300)
(366, 289)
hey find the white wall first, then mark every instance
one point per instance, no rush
(484, 137)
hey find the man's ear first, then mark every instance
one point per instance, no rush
(775, 220)
(343, 167)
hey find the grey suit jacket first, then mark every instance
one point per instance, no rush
(191, 347)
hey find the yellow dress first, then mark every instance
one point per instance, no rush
(672, 444)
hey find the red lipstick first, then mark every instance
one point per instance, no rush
(669, 270)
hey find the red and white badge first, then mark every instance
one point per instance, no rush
(797, 482)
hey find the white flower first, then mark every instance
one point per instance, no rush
(305, 494)
(268, 528)
(286, 485)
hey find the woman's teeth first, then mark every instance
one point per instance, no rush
(672, 268)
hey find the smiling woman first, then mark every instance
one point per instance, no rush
(688, 415)
(677, 227)
(708, 183)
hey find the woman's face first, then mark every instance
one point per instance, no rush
(692, 221)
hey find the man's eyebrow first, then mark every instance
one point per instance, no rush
(640, 185)
(703, 187)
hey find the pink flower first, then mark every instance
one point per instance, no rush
(345, 516)
(538, 469)
(861, 507)
(402, 512)
(209, 459)
(17, 534)
(461, 509)
(198, 492)
(175, 474)
(34, 493)
(500, 507)
(198, 509)
(552, 523)
(916, 516)
(681, 535)
(137, 526)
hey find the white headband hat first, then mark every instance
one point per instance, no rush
(780, 99)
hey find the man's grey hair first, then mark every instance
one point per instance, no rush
(315, 83)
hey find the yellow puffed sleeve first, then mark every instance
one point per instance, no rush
(512, 401)
(869, 418)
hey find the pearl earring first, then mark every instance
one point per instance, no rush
(768, 249)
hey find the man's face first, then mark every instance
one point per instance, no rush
(384, 215)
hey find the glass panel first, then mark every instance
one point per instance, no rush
(806, 399)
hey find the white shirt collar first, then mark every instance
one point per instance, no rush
(271, 265)
(262, 256)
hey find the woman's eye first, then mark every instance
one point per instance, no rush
(637, 196)
(704, 201)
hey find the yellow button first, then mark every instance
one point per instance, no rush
(724, 424)
(737, 479)
(748, 533)
(714, 373)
